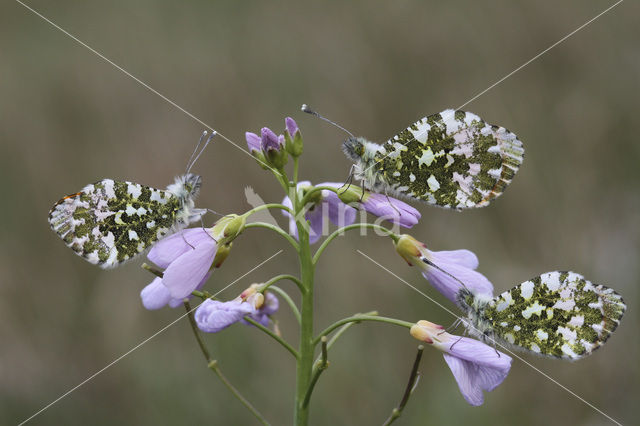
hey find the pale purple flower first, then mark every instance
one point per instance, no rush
(447, 271)
(156, 295)
(253, 142)
(271, 141)
(391, 209)
(453, 269)
(476, 367)
(213, 316)
(328, 205)
(292, 126)
(186, 257)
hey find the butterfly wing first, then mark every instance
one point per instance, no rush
(109, 222)
(557, 314)
(453, 159)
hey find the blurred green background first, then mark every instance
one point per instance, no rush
(67, 118)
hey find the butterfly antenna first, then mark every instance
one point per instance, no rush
(430, 263)
(194, 157)
(305, 108)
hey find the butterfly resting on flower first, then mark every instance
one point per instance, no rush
(453, 159)
(556, 314)
(109, 222)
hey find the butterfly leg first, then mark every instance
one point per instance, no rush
(391, 204)
(185, 240)
(452, 327)
(454, 343)
(202, 226)
(349, 180)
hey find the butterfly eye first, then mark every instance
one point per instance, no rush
(353, 148)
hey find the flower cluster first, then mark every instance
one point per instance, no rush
(271, 149)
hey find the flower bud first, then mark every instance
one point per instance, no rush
(273, 148)
(255, 148)
(292, 137)
(228, 228)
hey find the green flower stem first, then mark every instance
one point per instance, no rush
(287, 299)
(283, 179)
(345, 327)
(309, 194)
(265, 207)
(339, 231)
(340, 332)
(359, 318)
(320, 366)
(277, 278)
(213, 366)
(273, 335)
(296, 164)
(276, 229)
(154, 271)
(413, 378)
(305, 362)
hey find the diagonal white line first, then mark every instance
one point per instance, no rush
(139, 345)
(521, 67)
(497, 343)
(142, 83)
(540, 54)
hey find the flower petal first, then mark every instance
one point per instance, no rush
(185, 273)
(449, 286)
(464, 373)
(292, 126)
(155, 295)
(253, 141)
(269, 139)
(391, 209)
(476, 367)
(316, 220)
(172, 247)
(213, 316)
(462, 257)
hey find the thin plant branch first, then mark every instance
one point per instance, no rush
(276, 229)
(359, 318)
(320, 366)
(213, 366)
(411, 384)
(287, 299)
(273, 336)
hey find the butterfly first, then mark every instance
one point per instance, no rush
(453, 159)
(556, 314)
(109, 222)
